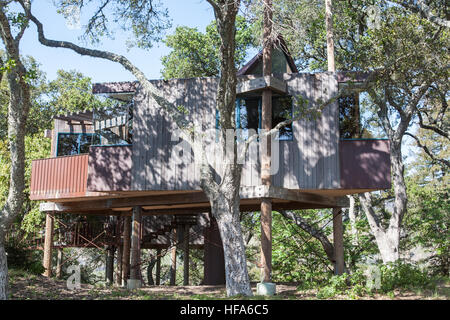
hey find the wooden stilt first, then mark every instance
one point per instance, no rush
(126, 249)
(266, 240)
(48, 245)
(266, 122)
(135, 263)
(173, 256)
(109, 270)
(119, 264)
(186, 255)
(338, 241)
(158, 267)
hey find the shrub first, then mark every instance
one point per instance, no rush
(22, 258)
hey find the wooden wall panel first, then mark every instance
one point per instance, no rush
(309, 161)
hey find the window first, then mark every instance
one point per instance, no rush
(349, 122)
(282, 111)
(75, 143)
(248, 115)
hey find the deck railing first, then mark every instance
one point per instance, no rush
(365, 164)
(59, 178)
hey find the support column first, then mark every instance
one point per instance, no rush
(266, 287)
(135, 282)
(158, 267)
(109, 270)
(338, 241)
(126, 249)
(173, 257)
(48, 245)
(266, 240)
(186, 255)
(119, 264)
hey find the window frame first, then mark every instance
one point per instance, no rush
(238, 117)
(78, 134)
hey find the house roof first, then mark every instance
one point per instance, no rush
(281, 44)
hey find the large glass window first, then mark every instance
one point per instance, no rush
(75, 143)
(248, 115)
(349, 117)
(282, 111)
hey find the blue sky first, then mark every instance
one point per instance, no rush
(193, 13)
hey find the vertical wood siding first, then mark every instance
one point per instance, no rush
(309, 161)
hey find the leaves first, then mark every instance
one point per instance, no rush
(196, 54)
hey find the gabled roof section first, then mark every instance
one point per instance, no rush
(281, 45)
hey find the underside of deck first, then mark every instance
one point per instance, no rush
(191, 202)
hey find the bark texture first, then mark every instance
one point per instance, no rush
(18, 109)
(224, 196)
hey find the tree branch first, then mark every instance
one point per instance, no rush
(427, 151)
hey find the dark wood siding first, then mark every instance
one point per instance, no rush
(309, 161)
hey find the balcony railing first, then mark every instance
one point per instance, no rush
(59, 178)
(365, 164)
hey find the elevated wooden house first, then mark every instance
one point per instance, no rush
(120, 162)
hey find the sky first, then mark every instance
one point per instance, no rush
(192, 13)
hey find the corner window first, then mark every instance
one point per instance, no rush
(248, 115)
(75, 143)
(349, 117)
(282, 111)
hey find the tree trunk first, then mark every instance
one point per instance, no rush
(227, 215)
(330, 37)
(388, 240)
(352, 217)
(3, 271)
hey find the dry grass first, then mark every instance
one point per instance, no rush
(26, 287)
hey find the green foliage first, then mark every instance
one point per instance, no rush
(196, 54)
(37, 147)
(24, 259)
(400, 275)
(394, 276)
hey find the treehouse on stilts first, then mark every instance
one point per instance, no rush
(120, 168)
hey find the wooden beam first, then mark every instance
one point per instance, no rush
(108, 204)
(119, 264)
(158, 267)
(173, 258)
(48, 244)
(266, 83)
(109, 265)
(266, 177)
(186, 255)
(338, 241)
(136, 244)
(126, 249)
(266, 240)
